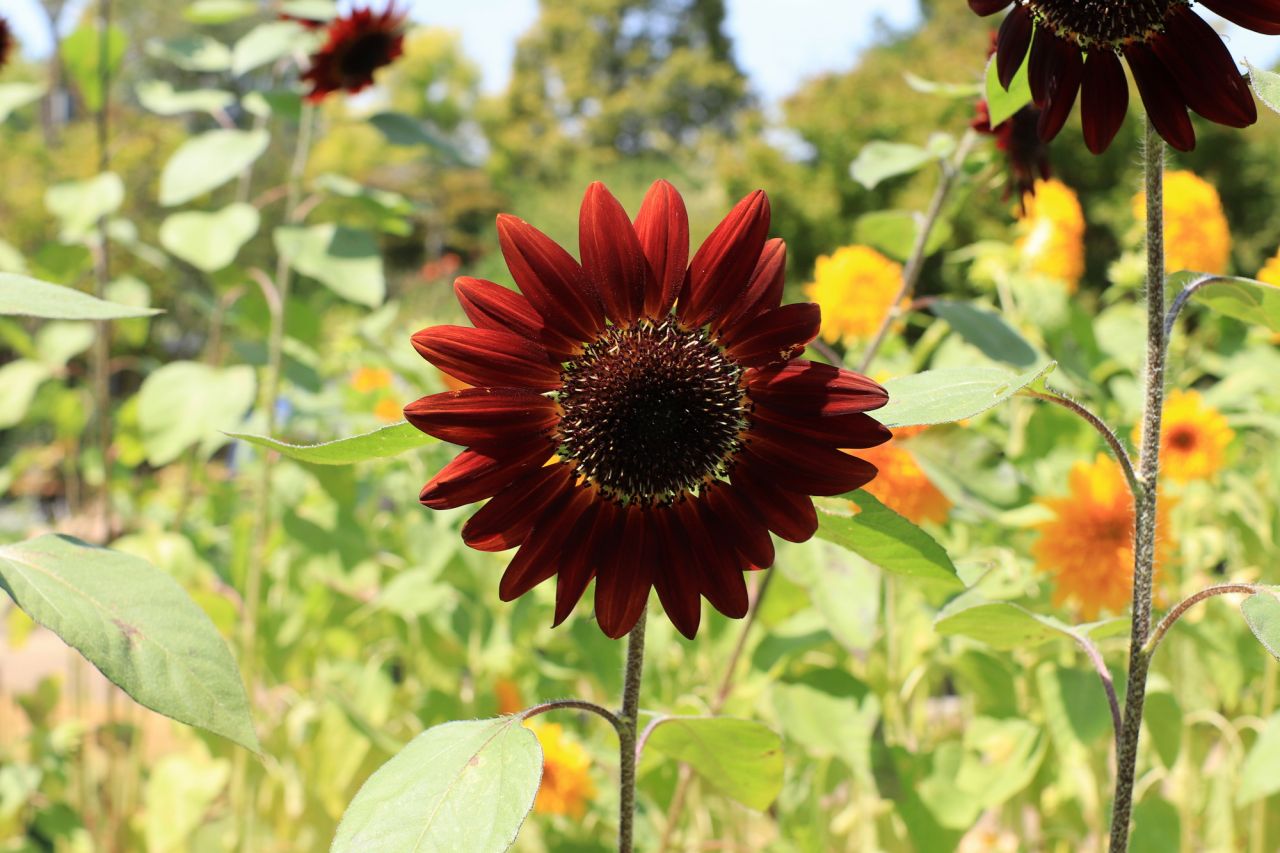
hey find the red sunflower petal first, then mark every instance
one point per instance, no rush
(719, 566)
(599, 525)
(764, 290)
(479, 416)
(625, 575)
(810, 388)
(488, 357)
(612, 257)
(489, 305)
(1161, 96)
(1012, 43)
(776, 335)
(1211, 83)
(722, 266)
(663, 228)
(788, 514)
(674, 580)
(541, 554)
(507, 518)
(800, 465)
(1064, 69)
(1042, 47)
(553, 281)
(477, 474)
(988, 7)
(1104, 99)
(742, 525)
(1261, 16)
(854, 430)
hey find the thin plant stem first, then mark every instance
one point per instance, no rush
(1108, 684)
(915, 261)
(101, 353)
(1183, 606)
(1183, 298)
(572, 705)
(1144, 541)
(629, 718)
(1113, 441)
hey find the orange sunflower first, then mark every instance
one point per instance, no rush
(1193, 437)
(902, 484)
(566, 781)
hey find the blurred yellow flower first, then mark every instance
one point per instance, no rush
(508, 695)
(1052, 243)
(1193, 437)
(388, 410)
(1270, 273)
(1196, 236)
(855, 286)
(566, 784)
(1088, 546)
(902, 484)
(369, 379)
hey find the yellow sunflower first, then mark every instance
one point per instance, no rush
(1193, 437)
(1196, 235)
(566, 784)
(366, 380)
(902, 484)
(1088, 545)
(855, 286)
(1270, 273)
(1052, 225)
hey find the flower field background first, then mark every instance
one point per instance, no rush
(216, 242)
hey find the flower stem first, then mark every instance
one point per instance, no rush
(1108, 435)
(629, 717)
(572, 705)
(100, 357)
(1144, 543)
(1176, 613)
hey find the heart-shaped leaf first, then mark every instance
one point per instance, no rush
(208, 161)
(210, 241)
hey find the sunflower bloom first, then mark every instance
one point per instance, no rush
(6, 41)
(1177, 59)
(641, 418)
(358, 44)
(1193, 437)
(566, 783)
(855, 286)
(1026, 155)
(902, 485)
(508, 695)
(1088, 546)
(1053, 240)
(366, 380)
(1270, 272)
(1196, 236)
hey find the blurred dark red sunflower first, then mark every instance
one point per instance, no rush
(357, 45)
(6, 42)
(1026, 154)
(640, 418)
(1177, 60)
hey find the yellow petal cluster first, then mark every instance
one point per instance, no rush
(1193, 437)
(1270, 273)
(366, 380)
(1052, 226)
(1196, 235)
(566, 783)
(855, 286)
(902, 485)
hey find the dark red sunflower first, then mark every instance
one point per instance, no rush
(640, 418)
(6, 41)
(1177, 60)
(358, 44)
(1025, 152)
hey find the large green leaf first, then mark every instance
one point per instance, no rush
(1004, 625)
(187, 403)
(406, 131)
(894, 232)
(739, 758)
(1262, 612)
(879, 160)
(134, 623)
(210, 241)
(1242, 298)
(987, 331)
(1258, 777)
(1266, 85)
(14, 96)
(220, 11)
(208, 161)
(842, 586)
(192, 53)
(161, 98)
(80, 204)
(463, 787)
(29, 297)
(830, 716)
(382, 442)
(343, 259)
(19, 381)
(952, 394)
(1002, 104)
(265, 43)
(859, 522)
(82, 58)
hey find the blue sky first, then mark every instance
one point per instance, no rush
(778, 51)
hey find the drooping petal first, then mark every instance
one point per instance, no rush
(805, 466)
(663, 228)
(1012, 43)
(1261, 16)
(854, 430)
(1207, 75)
(776, 335)
(1064, 69)
(507, 518)
(487, 357)
(477, 473)
(1104, 99)
(602, 524)
(625, 576)
(489, 305)
(810, 388)
(479, 416)
(742, 524)
(675, 581)
(552, 280)
(541, 554)
(788, 514)
(718, 564)
(722, 266)
(988, 7)
(764, 290)
(611, 256)
(1161, 97)
(1042, 48)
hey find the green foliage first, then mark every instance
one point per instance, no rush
(870, 529)
(208, 161)
(739, 758)
(186, 404)
(953, 394)
(1262, 612)
(29, 297)
(381, 443)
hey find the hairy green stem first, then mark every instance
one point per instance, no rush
(1144, 541)
(1121, 455)
(1183, 606)
(629, 718)
(101, 353)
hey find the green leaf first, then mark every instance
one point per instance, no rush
(830, 718)
(406, 131)
(161, 98)
(893, 232)
(135, 624)
(1258, 777)
(1262, 612)
(383, 442)
(987, 331)
(878, 161)
(343, 259)
(14, 96)
(859, 522)
(739, 758)
(208, 161)
(29, 297)
(1003, 104)
(461, 787)
(1266, 85)
(283, 104)
(265, 43)
(187, 403)
(19, 381)
(1075, 704)
(220, 11)
(1004, 625)
(82, 58)
(952, 394)
(80, 204)
(315, 10)
(210, 241)
(1163, 719)
(842, 587)
(192, 53)
(1157, 826)
(964, 91)
(1241, 298)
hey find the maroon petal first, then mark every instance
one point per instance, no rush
(483, 415)
(1064, 69)
(601, 524)
(491, 306)
(488, 357)
(988, 7)
(722, 266)
(741, 524)
(805, 466)
(663, 228)
(719, 566)
(1012, 44)
(776, 335)
(788, 514)
(855, 430)
(1261, 16)
(675, 581)
(810, 388)
(477, 473)
(764, 290)
(611, 256)
(507, 518)
(542, 553)
(625, 576)
(1210, 82)
(1042, 48)
(552, 280)
(1161, 96)
(1104, 99)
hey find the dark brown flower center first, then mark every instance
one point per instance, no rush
(1182, 439)
(365, 55)
(1109, 23)
(651, 411)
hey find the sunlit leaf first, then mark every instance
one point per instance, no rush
(192, 53)
(893, 232)
(739, 758)
(220, 11)
(1262, 612)
(208, 161)
(843, 587)
(952, 394)
(345, 260)
(29, 297)
(1005, 625)
(82, 58)
(1241, 298)
(80, 204)
(859, 522)
(967, 91)
(209, 241)
(463, 787)
(265, 43)
(14, 96)
(987, 331)
(383, 442)
(19, 381)
(161, 98)
(1258, 778)
(879, 160)
(1266, 85)
(135, 624)
(186, 403)
(1003, 104)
